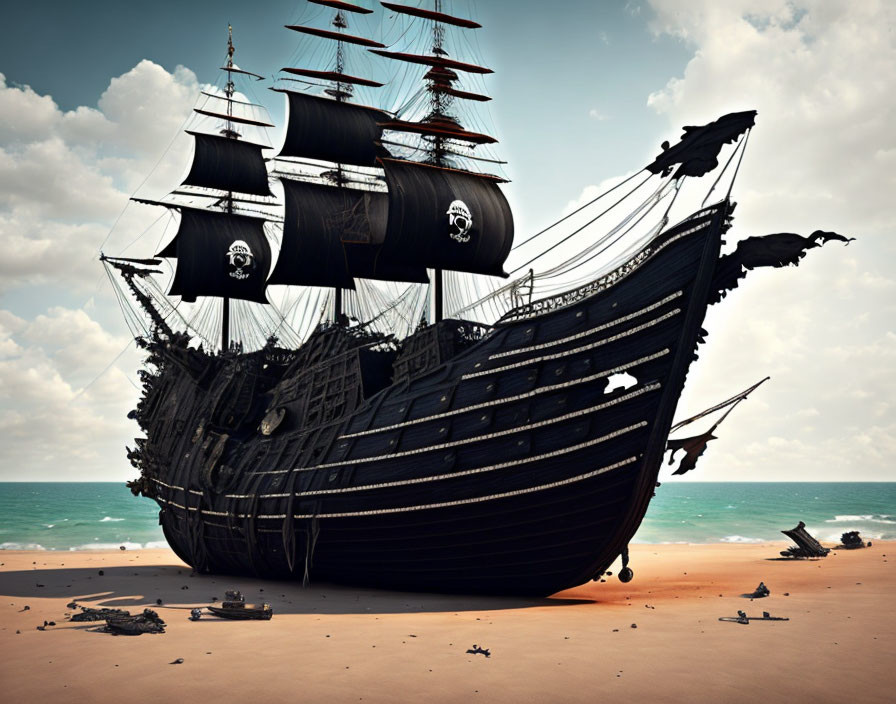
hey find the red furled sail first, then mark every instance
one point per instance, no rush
(431, 15)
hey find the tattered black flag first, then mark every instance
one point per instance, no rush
(778, 250)
(695, 446)
(698, 151)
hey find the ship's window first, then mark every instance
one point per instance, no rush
(620, 381)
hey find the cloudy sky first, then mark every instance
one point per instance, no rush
(92, 94)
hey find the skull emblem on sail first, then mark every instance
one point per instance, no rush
(240, 260)
(460, 220)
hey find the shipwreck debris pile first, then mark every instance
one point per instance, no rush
(852, 541)
(806, 545)
(120, 622)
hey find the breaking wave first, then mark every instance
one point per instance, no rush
(868, 518)
(21, 546)
(107, 546)
(109, 519)
(740, 539)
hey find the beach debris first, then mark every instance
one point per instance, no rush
(740, 618)
(122, 547)
(634, 625)
(25, 608)
(72, 605)
(195, 614)
(101, 573)
(852, 541)
(91, 614)
(760, 592)
(807, 546)
(179, 661)
(147, 622)
(158, 602)
(476, 650)
(234, 606)
(743, 618)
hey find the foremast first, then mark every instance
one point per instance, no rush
(220, 250)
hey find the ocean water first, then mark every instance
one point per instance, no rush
(83, 516)
(76, 516)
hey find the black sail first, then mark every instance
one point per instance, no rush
(229, 165)
(446, 219)
(331, 235)
(320, 128)
(219, 254)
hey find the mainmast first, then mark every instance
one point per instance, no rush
(341, 89)
(230, 133)
(439, 102)
(439, 129)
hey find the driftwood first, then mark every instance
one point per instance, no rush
(807, 546)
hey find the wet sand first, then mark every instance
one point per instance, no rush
(340, 644)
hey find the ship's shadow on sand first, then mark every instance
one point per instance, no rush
(141, 586)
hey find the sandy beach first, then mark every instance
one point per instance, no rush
(655, 639)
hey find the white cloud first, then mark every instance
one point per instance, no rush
(66, 176)
(821, 156)
(58, 420)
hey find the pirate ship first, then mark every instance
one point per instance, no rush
(488, 448)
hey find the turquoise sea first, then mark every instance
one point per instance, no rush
(80, 516)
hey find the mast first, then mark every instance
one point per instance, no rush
(221, 251)
(340, 93)
(438, 104)
(439, 128)
(230, 133)
(341, 90)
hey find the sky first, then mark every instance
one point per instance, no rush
(92, 94)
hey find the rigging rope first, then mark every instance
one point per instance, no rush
(581, 208)
(733, 401)
(590, 222)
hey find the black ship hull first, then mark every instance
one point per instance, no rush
(509, 468)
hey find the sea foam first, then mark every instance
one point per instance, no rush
(107, 546)
(21, 546)
(869, 518)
